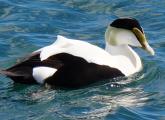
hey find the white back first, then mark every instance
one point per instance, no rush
(89, 52)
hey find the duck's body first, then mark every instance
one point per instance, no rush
(74, 63)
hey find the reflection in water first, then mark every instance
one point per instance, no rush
(28, 25)
(90, 104)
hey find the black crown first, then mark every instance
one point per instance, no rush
(126, 23)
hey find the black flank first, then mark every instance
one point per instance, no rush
(77, 72)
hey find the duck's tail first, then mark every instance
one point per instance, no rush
(7, 73)
(18, 77)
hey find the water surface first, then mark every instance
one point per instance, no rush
(27, 25)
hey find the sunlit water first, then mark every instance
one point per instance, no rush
(27, 25)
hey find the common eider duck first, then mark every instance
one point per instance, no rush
(73, 63)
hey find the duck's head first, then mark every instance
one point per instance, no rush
(127, 31)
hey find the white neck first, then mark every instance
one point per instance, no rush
(127, 59)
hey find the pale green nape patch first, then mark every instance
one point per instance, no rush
(110, 36)
(119, 36)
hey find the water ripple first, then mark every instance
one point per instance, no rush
(35, 23)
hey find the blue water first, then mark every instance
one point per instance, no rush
(27, 25)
